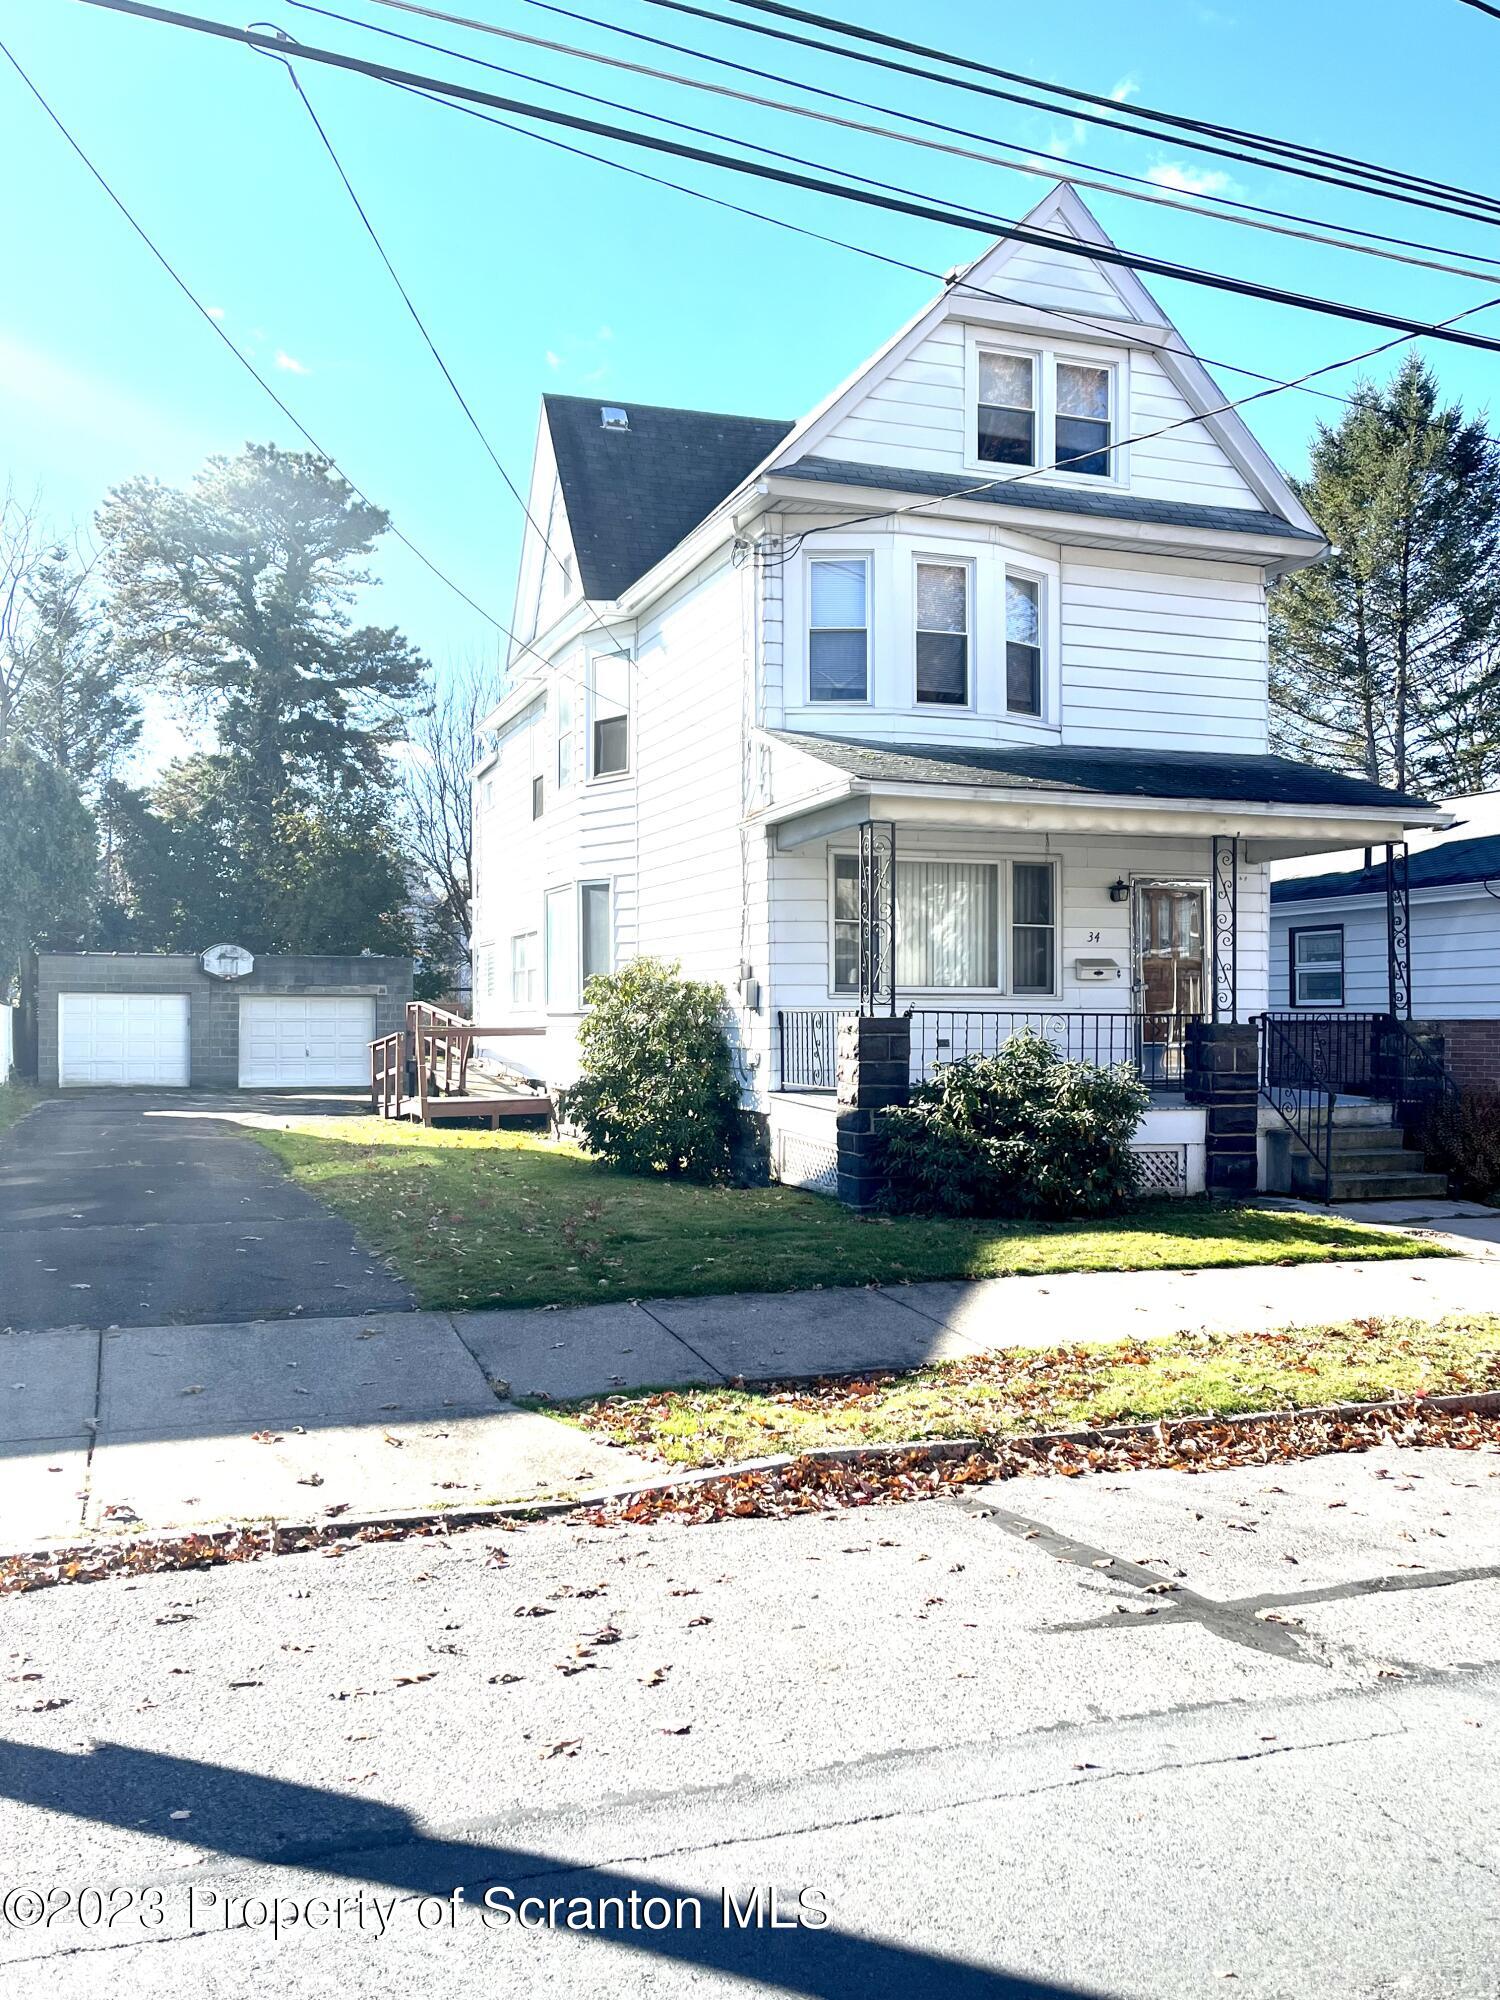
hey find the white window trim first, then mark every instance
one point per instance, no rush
(607, 884)
(534, 971)
(944, 559)
(564, 691)
(939, 996)
(834, 552)
(590, 695)
(1295, 934)
(1114, 361)
(1049, 626)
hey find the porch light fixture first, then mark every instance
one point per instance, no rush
(1119, 890)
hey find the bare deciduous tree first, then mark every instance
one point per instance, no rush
(436, 809)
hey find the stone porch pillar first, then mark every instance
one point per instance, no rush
(1223, 1073)
(873, 1074)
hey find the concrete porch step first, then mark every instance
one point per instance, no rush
(1368, 1138)
(1386, 1187)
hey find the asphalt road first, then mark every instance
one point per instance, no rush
(128, 1208)
(1004, 1757)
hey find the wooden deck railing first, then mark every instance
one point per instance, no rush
(388, 1074)
(437, 1045)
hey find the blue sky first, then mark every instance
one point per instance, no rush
(542, 272)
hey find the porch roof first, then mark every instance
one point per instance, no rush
(1292, 808)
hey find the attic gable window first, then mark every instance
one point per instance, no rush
(1083, 420)
(1007, 409)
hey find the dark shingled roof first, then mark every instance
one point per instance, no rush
(1155, 774)
(1054, 499)
(632, 495)
(1439, 867)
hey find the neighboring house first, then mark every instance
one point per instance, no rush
(895, 652)
(1329, 937)
(224, 1020)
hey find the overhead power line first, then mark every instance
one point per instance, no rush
(925, 211)
(1295, 155)
(1483, 7)
(421, 325)
(240, 356)
(1278, 222)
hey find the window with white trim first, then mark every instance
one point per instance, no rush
(1006, 428)
(609, 715)
(1317, 966)
(560, 949)
(523, 969)
(1023, 645)
(1081, 422)
(596, 940)
(838, 629)
(943, 633)
(951, 918)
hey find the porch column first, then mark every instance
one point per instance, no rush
(1224, 920)
(874, 1073)
(1398, 930)
(877, 917)
(1223, 1074)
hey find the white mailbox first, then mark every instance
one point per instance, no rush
(1092, 971)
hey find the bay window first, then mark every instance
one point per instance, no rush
(838, 632)
(961, 926)
(1007, 409)
(1082, 421)
(595, 932)
(1023, 645)
(943, 633)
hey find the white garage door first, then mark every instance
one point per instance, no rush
(105, 1038)
(286, 1040)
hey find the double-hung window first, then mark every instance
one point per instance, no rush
(609, 715)
(943, 633)
(1023, 645)
(1082, 421)
(596, 941)
(1317, 966)
(838, 629)
(962, 926)
(523, 969)
(1007, 409)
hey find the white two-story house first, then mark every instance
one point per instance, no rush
(949, 696)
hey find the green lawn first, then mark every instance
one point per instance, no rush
(483, 1219)
(1022, 1390)
(16, 1099)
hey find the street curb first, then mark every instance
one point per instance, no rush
(304, 1537)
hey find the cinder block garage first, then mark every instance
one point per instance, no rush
(221, 1020)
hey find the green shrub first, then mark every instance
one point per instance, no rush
(1461, 1135)
(1024, 1132)
(657, 1092)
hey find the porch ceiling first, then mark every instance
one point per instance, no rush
(1277, 807)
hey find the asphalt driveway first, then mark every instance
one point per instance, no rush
(127, 1208)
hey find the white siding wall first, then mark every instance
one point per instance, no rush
(800, 912)
(1455, 953)
(917, 415)
(1164, 652)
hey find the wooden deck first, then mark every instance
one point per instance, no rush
(425, 1074)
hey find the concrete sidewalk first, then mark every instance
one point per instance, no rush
(181, 1425)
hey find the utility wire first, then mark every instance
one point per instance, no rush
(421, 325)
(242, 358)
(1278, 222)
(1483, 7)
(1142, 437)
(1296, 154)
(923, 211)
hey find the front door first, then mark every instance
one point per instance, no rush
(1169, 971)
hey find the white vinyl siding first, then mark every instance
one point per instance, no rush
(295, 1040)
(122, 1038)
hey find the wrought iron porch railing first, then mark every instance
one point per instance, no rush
(1415, 1075)
(1343, 1050)
(1297, 1082)
(1155, 1044)
(807, 1048)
